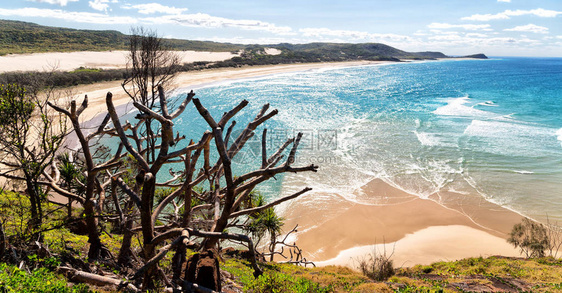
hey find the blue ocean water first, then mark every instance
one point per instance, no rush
(487, 128)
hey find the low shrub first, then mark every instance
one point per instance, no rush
(377, 266)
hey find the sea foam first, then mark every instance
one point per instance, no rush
(458, 107)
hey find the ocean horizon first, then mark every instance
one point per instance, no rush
(441, 130)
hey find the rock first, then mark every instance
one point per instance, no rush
(203, 269)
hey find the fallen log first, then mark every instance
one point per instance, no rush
(93, 279)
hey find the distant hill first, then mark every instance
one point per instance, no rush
(17, 37)
(476, 56)
(366, 51)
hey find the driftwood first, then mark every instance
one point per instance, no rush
(94, 279)
(295, 253)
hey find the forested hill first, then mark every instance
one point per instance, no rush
(18, 37)
(366, 51)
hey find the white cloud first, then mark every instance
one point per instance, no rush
(55, 2)
(99, 5)
(508, 13)
(208, 21)
(263, 41)
(476, 35)
(84, 17)
(321, 34)
(529, 28)
(508, 1)
(151, 8)
(471, 27)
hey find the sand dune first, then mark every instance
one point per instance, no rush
(105, 60)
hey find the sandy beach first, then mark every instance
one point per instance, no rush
(105, 60)
(337, 231)
(415, 230)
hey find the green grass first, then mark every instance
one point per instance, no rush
(291, 278)
(542, 275)
(41, 280)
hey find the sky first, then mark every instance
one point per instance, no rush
(454, 27)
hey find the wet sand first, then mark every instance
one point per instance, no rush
(337, 231)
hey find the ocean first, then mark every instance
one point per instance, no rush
(442, 130)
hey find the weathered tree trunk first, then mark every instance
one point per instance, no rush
(272, 246)
(92, 170)
(125, 253)
(69, 208)
(148, 228)
(93, 234)
(3, 241)
(36, 209)
(203, 269)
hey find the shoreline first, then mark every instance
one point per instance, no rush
(197, 79)
(339, 231)
(408, 223)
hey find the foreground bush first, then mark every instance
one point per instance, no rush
(376, 266)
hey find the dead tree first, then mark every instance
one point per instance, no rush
(93, 184)
(225, 202)
(146, 179)
(237, 189)
(150, 66)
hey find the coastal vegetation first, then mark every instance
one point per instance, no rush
(126, 224)
(17, 37)
(120, 188)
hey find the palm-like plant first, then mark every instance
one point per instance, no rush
(70, 174)
(264, 222)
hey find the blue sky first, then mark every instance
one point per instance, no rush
(454, 27)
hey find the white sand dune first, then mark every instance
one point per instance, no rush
(105, 60)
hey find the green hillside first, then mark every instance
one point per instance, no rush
(17, 37)
(366, 51)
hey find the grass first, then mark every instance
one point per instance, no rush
(41, 280)
(471, 274)
(536, 275)
(291, 278)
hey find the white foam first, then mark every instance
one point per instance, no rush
(559, 135)
(525, 172)
(488, 104)
(457, 107)
(432, 139)
(505, 138)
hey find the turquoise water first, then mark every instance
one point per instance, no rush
(491, 128)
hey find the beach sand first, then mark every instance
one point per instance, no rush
(105, 60)
(415, 230)
(333, 230)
